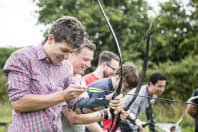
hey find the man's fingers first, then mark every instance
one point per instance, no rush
(74, 91)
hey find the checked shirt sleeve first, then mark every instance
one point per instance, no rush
(17, 69)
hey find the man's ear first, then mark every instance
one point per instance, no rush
(50, 39)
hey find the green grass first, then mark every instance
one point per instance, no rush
(5, 115)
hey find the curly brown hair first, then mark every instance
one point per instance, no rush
(68, 29)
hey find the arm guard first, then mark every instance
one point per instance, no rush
(91, 103)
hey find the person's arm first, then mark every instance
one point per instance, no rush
(75, 118)
(32, 102)
(191, 110)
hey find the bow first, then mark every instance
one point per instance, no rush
(141, 76)
(120, 56)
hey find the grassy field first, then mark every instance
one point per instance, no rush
(5, 115)
(163, 113)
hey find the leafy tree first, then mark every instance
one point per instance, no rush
(4, 54)
(176, 32)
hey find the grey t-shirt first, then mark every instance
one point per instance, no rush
(141, 103)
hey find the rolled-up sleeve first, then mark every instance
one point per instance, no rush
(17, 69)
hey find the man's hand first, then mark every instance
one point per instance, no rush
(73, 91)
(117, 103)
(124, 114)
(139, 124)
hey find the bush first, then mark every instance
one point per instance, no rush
(4, 54)
(3, 89)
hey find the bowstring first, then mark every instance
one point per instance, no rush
(157, 98)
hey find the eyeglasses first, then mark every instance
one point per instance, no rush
(111, 67)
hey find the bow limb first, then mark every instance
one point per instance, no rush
(141, 77)
(120, 56)
(143, 73)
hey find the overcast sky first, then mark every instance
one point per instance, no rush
(18, 23)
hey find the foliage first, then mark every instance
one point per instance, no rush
(3, 89)
(175, 35)
(4, 54)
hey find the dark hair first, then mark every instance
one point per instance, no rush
(129, 74)
(68, 29)
(86, 44)
(155, 77)
(107, 56)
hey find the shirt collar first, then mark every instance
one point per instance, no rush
(41, 53)
(147, 89)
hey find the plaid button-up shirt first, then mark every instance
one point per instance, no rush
(30, 72)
